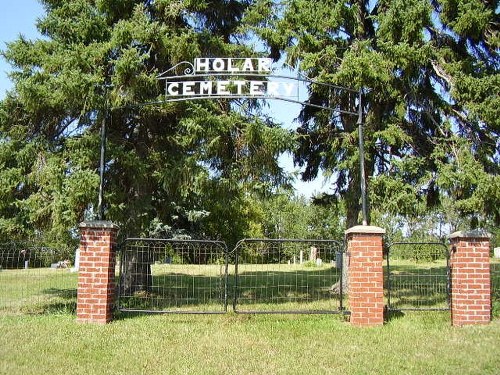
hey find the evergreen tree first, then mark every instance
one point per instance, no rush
(183, 166)
(429, 72)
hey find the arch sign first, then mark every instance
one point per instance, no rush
(249, 77)
(253, 78)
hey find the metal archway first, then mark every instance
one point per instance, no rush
(219, 79)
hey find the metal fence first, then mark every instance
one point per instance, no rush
(258, 276)
(36, 279)
(176, 276)
(288, 276)
(495, 286)
(418, 276)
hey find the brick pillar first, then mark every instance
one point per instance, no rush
(365, 273)
(96, 277)
(470, 278)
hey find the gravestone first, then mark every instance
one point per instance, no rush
(76, 266)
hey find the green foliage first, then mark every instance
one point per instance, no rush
(284, 215)
(418, 252)
(429, 70)
(186, 167)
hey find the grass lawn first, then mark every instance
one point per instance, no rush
(261, 287)
(40, 335)
(417, 343)
(37, 290)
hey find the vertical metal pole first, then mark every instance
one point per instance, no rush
(236, 278)
(362, 159)
(341, 280)
(100, 203)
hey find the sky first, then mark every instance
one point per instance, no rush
(16, 17)
(19, 17)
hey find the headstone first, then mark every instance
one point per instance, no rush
(76, 267)
(338, 260)
(496, 252)
(313, 254)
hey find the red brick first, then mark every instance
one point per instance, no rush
(96, 277)
(366, 298)
(470, 298)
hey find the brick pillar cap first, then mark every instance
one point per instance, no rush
(99, 224)
(476, 233)
(365, 229)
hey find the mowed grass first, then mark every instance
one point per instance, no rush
(37, 290)
(258, 287)
(44, 340)
(416, 343)
(416, 285)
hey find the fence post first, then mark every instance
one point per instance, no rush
(470, 277)
(96, 277)
(365, 275)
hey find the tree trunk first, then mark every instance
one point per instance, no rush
(136, 276)
(353, 210)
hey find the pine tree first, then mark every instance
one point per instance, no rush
(185, 165)
(429, 72)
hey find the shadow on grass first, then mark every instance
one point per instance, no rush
(390, 315)
(183, 292)
(52, 301)
(419, 286)
(303, 288)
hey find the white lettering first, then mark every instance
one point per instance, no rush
(222, 88)
(272, 88)
(256, 88)
(187, 88)
(289, 87)
(231, 87)
(218, 65)
(206, 88)
(230, 67)
(239, 87)
(202, 64)
(247, 65)
(173, 88)
(264, 65)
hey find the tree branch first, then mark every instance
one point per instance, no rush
(438, 69)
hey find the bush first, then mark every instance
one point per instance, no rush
(418, 252)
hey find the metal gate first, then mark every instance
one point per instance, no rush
(418, 276)
(258, 276)
(288, 276)
(173, 276)
(495, 286)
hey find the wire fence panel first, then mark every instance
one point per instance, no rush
(495, 286)
(418, 276)
(36, 279)
(173, 276)
(288, 276)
